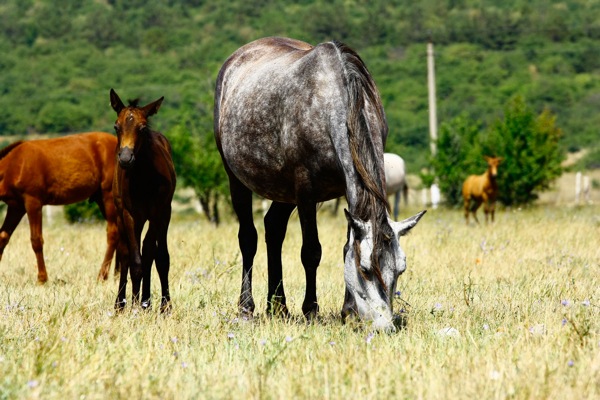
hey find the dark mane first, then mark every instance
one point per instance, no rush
(372, 201)
(134, 102)
(9, 148)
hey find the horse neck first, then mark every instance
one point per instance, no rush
(490, 179)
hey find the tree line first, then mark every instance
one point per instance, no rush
(61, 57)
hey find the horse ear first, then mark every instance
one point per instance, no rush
(116, 102)
(360, 230)
(403, 227)
(153, 107)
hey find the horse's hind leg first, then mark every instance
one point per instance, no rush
(241, 198)
(14, 214)
(396, 204)
(107, 207)
(33, 208)
(310, 255)
(276, 222)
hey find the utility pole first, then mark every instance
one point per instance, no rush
(432, 106)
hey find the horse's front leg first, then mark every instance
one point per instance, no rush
(122, 258)
(148, 255)
(310, 255)
(133, 229)
(33, 207)
(163, 263)
(14, 214)
(276, 222)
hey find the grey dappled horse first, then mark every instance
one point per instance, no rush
(395, 179)
(300, 125)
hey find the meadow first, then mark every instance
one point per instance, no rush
(492, 312)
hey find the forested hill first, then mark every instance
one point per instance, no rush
(60, 58)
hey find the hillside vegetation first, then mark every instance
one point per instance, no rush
(60, 58)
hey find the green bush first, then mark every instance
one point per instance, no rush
(84, 211)
(528, 144)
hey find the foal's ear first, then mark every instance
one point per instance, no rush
(359, 227)
(116, 102)
(403, 227)
(153, 107)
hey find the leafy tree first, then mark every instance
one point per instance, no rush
(198, 165)
(458, 151)
(531, 151)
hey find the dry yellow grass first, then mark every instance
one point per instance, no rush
(510, 310)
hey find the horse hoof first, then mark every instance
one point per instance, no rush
(146, 305)
(166, 307)
(120, 305)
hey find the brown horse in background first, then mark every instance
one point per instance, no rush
(57, 171)
(482, 189)
(143, 190)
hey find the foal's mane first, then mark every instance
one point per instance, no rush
(9, 148)
(372, 201)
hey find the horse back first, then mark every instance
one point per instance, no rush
(61, 170)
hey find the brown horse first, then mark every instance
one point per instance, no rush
(482, 189)
(143, 189)
(57, 171)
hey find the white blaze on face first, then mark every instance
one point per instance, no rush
(373, 301)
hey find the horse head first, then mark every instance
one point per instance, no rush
(493, 163)
(131, 127)
(370, 288)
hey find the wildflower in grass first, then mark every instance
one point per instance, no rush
(288, 339)
(585, 303)
(230, 336)
(332, 343)
(486, 327)
(174, 339)
(263, 342)
(437, 306)
(570, 363)
(565, 303)
(32, 383)
(563, 322)
(184, 365)
(398, 293)
(369, 337)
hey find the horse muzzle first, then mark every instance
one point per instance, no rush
(126, 157)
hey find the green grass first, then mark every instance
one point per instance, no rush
(523, 296)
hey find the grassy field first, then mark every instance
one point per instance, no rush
(492, 312)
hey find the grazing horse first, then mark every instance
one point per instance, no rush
(143, 189)
(482, 189)
(58, 171)
(395, 179)
(300, 125)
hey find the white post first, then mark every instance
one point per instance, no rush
(432, 101)
(577, 187)
(586, 190)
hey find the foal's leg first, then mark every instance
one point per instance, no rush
(241, 198)
(276, 222)
(310, 255)
(33, 207)
(163, 263)
(14, 214)
(148, 255)
(136, 269)
(122, 258)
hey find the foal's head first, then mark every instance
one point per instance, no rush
(131, 127)
(493, 163)
(372, 287)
